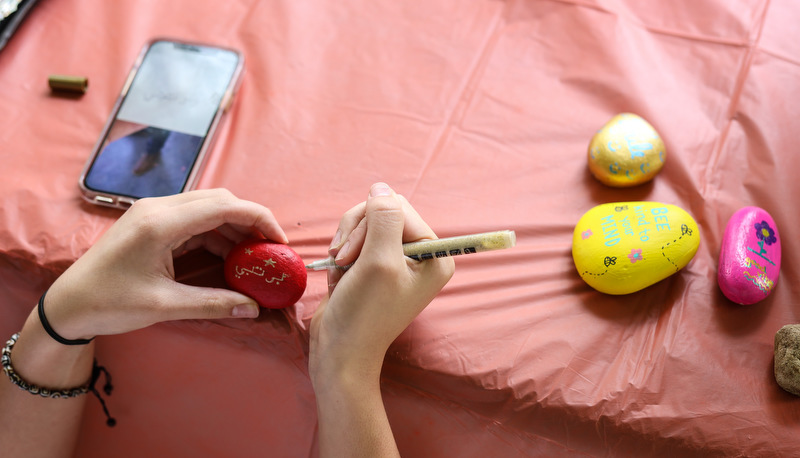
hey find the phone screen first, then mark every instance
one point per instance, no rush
(162, 123)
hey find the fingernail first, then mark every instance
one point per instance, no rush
(245, 311)
(336, 240)
(343, 251)
(380, 189)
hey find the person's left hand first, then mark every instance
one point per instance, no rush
(126, 281)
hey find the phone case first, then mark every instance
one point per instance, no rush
(124, 201)
(12, 14)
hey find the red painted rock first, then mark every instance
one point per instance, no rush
(271, 273)
(750, 256)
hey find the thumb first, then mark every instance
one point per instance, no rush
(196, 302)
(385, 220)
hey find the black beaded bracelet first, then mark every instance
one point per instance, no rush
(51, 332)
(29, 387)
(97, 370)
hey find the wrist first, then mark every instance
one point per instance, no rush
(333, 356)
(330, 371)
(59, 310)
(337, 387)
(42, 361)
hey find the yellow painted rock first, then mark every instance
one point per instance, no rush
(627, 151)
(620, 248)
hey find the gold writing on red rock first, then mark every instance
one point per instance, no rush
(277, 280)
(240, 271)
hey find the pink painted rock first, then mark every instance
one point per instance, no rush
(750, 256)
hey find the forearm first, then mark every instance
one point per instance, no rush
(352, 418)
(32, 425)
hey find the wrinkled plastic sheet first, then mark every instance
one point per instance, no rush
(480, 113)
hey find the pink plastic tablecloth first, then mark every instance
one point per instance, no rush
(480, 113)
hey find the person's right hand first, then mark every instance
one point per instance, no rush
(383, 291)
(367, 308)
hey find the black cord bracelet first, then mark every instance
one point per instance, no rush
(53, 333)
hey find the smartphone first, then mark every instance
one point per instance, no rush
(163, 124)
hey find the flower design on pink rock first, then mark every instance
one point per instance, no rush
(765, 233)
(636, 255)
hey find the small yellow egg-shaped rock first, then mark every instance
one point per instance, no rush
(623, 247)
(627, 151)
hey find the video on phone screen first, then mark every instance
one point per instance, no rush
(152, 145)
